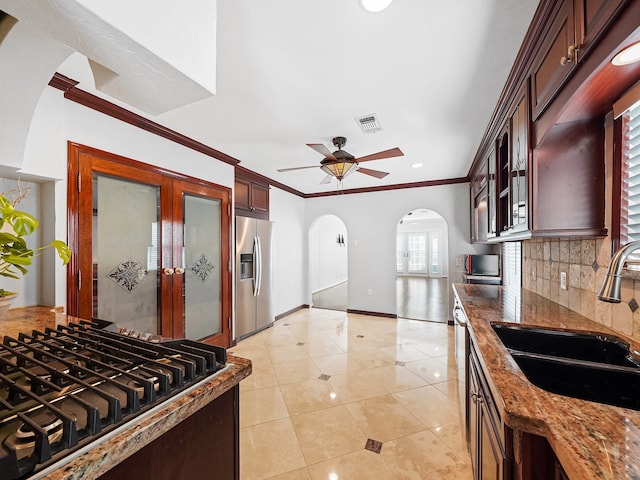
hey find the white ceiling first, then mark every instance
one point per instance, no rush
(292, 72)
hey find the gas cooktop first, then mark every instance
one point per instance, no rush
(61, 390)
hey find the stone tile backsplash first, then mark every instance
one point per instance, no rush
(585, 262)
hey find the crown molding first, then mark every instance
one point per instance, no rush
(77, 95)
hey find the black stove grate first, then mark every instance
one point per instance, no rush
(62, 389)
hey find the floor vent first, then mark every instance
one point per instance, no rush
(369, 123)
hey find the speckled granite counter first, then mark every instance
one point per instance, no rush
(108, 451)
(591, 440)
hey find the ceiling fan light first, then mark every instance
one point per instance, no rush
(339, 169)
(375, 6)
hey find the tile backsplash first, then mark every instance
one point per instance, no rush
(584, 262)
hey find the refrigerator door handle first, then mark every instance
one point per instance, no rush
(258, 266)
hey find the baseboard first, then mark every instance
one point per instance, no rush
(373, 314)
(289, 312)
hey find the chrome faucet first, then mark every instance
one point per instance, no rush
(610, 290)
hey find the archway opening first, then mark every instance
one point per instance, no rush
(328, 267)
(422, 269)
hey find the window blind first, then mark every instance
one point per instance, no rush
(630, 201)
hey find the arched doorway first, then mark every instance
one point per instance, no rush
(328, 272)
(422, 284)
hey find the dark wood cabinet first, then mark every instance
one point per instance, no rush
(251, 198)
(575, 28)
(479, 204)
(556, 58)
(487, 448)
(204, 445)
(512, 166)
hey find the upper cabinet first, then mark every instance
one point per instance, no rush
(251, 197)
(543, 154)
(574, 29)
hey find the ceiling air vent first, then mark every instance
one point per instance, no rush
(369, 123)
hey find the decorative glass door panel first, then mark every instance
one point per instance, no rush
(125, 253)
(151, 249)
(201, 251)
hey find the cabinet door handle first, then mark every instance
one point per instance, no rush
(571, 56)
(179, 270)
(168, 271)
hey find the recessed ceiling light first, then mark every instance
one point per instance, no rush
(631, 54)
(416, 165)
(375, 6)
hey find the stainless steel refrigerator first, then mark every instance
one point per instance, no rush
(254, 310)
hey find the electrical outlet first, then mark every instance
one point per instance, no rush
(369, 292)
(563, 280)
(458, 261)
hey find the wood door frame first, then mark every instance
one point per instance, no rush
(75, 232)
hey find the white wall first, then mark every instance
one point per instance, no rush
(371, 220)
(327, 259)
(289, 249)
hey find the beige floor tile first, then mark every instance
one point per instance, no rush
(269, 449)
(306, 434)
(355, 386)
(322, 347)
(403, 353)
(434, 348)
(309, 396)
(452, 435)
(336, 364)
(278, 336)
(432, 370)
(362, 465)
(301, 474)
(415, 456)
(255, 354)
(384, 418)
(327, 434)
(397, 378)
(261, 377)
(450, 389)
(297, 371)
(260, 406)
(431, 406)
(369, 357)
(287, 354)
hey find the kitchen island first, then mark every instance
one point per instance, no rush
(185, 434)
(589, 440)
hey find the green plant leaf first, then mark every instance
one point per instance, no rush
(24, 224)
(64, 252)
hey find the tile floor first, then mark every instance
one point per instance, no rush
(336, 396)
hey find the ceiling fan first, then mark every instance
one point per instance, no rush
(341, 163)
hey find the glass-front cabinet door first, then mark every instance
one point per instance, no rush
(151, 252)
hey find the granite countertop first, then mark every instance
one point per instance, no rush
(108, 451)
(591, 440)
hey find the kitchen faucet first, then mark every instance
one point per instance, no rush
(610, 290)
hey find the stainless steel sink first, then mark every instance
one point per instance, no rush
(593, 367)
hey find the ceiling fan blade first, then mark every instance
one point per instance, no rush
(322, 150)
(373, 173)
(296, 168)
(326, 179)
(393, 152)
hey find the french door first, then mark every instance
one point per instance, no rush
(151, 248)
(418, 253)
